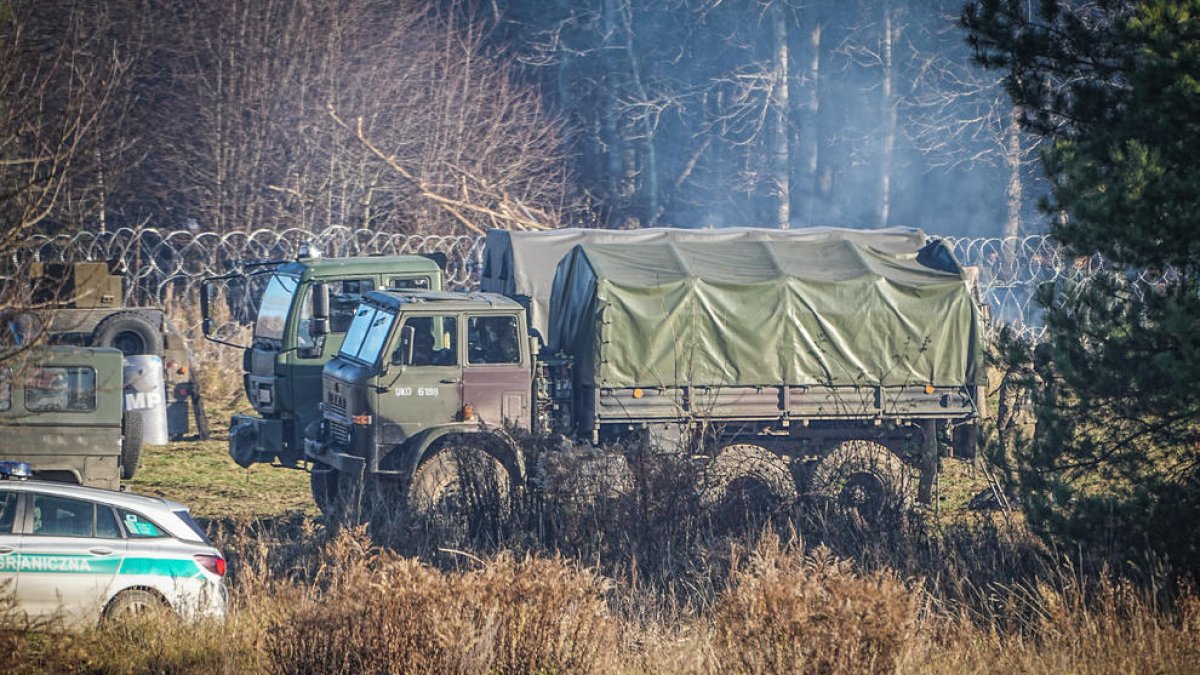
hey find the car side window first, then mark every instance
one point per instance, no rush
(62, 517)
(106, 523)
(8, 511)
(138, 526)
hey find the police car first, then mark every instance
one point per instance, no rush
(81, 554)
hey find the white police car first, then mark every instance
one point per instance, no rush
(81, 554)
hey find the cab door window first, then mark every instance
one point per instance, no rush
(434, 340)
(493, 340)
(344, 296)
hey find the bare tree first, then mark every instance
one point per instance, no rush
(63, 85)
(246, 138)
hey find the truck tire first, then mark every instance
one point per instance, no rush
(134, 333)
(749, 476)
(864, 479)
(459, 484)
(131, 446)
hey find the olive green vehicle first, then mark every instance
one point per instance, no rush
(816, 365)
(61, 411)
(305, 308)
(82, 304)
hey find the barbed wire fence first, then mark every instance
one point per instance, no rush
(173, 262)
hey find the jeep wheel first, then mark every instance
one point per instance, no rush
(460, 485)
(133, 333)
(863, 479)
(131, 445)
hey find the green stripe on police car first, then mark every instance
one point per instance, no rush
(85, 564)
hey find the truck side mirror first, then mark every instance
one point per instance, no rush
(320, 310)
(404, 355)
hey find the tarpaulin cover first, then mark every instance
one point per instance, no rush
(521, 264)
(831, 311)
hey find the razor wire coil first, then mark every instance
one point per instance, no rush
(159, 261)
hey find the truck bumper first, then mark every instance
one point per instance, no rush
(332, 456)
(254, 439)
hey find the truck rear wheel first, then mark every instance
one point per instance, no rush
(460, 483)
(750, 476)
(133, 333)
(131, 445)
(863, 478)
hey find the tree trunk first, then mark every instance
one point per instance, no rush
(1012, 159)
(780, 160)
(889, 118)
(808, 146)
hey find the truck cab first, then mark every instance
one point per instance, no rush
(306, 307)
(414, 370)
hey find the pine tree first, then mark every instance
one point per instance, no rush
(1115, 88)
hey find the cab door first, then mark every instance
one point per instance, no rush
(497, 380)
(423, 386)
(71, 552)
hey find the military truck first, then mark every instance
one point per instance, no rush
(83, 304)
(305, 307)
(819, 364)
(61, 412)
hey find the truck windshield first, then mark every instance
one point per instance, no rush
(276, 301)
(367, 334)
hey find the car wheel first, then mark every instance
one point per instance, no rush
(134, 602)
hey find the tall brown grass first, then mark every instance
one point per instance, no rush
(308, 600)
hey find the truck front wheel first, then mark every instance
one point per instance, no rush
(460, 485)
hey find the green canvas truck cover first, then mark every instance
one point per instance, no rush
(522, 264)
(826, 311)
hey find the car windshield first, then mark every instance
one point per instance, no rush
(367, 334)
(276, 301)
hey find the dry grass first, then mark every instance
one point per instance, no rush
(304, 600)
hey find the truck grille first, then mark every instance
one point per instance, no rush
(336, 404)
(339, 432)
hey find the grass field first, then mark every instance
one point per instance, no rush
(201, 475)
